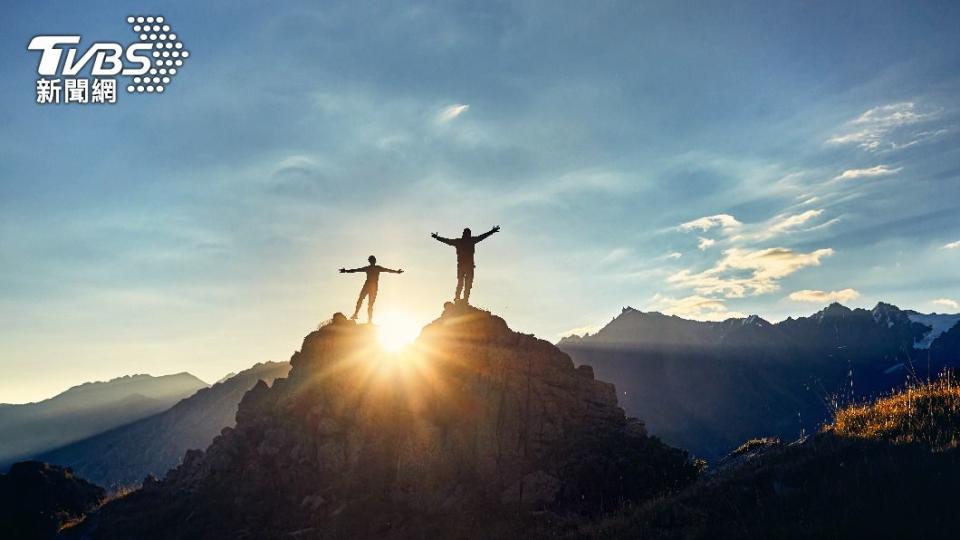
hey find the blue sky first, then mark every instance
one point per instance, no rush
(708, 159)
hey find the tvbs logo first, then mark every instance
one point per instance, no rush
(150, 64)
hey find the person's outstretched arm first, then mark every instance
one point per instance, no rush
(350, 271)
(399, 271)
(488, 233)
(446, 241)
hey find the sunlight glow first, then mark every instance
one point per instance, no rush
(395, 330)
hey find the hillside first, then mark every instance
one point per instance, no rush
(37, 499)
(708, 386)
(87, 409)
(887, 469)
(450, 438)
(124, 456)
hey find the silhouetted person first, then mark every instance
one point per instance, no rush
(370, 286)
(465, 265)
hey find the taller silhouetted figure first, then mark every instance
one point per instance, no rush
(370, 286)
(465, 265)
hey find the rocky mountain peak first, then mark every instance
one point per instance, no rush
(473, 421)
(834, 310)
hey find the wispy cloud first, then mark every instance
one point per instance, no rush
(569, 184)
(879, 170)
(672, 255)
(704, 243)
(946, 302)
(823, 297)
(765, 267)
(452, 111)
(694, 307)
(887, 127)
(295, 163)
(952, 245)
(765, 230)
(726, 222)
(616, 255)
(784, 224)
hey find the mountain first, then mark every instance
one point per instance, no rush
(937, 322)
(707, 386)
(37, 499)
(458, 436)
(84, 410)
(125, 455)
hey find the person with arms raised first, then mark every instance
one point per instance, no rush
(466, 245)
(370, 286)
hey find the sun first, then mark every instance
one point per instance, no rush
(396, 330)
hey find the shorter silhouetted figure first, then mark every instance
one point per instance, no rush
(370, 286)
(465, 247)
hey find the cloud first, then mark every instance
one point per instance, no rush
(764, 267)
(725, 221)
(451, 112)
(569, 184)
(952, 245)
(616, 255)
(879, 170)
(887, 127)
(786, 223)
(695, 307)
(295, 164)
(823, 297)
(946, 302)
(739, 233)
(673, 255)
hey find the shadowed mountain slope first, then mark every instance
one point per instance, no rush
(447, 439)
(87, 409)
(37, 499)
(124, 456)
(708, 386)
(887, 469)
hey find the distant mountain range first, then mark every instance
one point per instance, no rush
(125, 455)
(707, 386)
(87, 409)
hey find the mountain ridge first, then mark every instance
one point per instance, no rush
(706, 386)
(125, 455)
(834, 309)
(87, 409)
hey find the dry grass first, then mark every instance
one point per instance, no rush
(120, 492)
(927, 413)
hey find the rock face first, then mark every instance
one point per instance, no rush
(37, 499)
(473, 424)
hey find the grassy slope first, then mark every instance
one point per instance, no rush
(883, 470)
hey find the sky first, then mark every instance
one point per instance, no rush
(704, 159)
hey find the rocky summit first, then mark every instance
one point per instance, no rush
(464, 434)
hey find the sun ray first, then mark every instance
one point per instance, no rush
(396, 330)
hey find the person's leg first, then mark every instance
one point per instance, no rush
(468, 284)
(456, 297)
(356, 312)
(371, 299)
